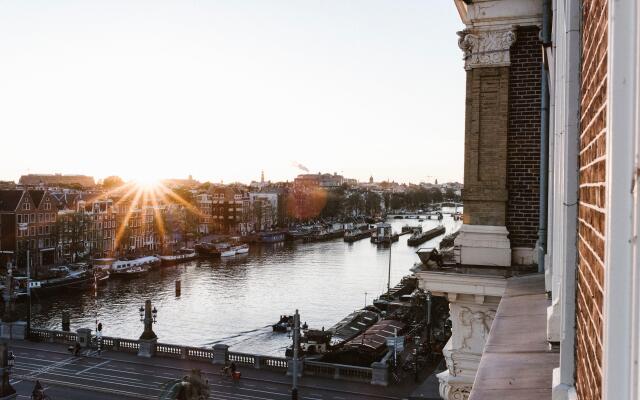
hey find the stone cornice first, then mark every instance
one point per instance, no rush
(494, 14)
(458, 283)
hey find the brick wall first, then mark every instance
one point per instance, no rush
(523, 141)
(485, 148)
(591, 212)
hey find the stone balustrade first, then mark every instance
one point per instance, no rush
(219, 354)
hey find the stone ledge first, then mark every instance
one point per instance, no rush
(516, 362)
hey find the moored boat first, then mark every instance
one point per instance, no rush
(70, 279)
(241, 249)
(353, 235)
(271, 237)
(384, 234)
(207, 250)
(181, 255)
(284, 324)
(418, 238)
(131, 272)
(228, 252)
(149, 261)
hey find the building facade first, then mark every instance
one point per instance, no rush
(551, 147)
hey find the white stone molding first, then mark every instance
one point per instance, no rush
(484, 245)
(487, 48)
(499, 13)
(473, 301)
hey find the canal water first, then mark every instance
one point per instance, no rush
(235, 301)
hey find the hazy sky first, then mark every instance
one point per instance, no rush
(223, 89)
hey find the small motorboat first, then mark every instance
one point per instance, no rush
(241, 249)
(228, 252)
(284, 325)
(131, 272)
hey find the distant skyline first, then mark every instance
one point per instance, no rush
(224, 89)
(257, 179)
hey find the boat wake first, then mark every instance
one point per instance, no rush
(259, 341)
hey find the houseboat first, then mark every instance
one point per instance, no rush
(181, 255)
(355, 234)
(63, 279)
(384, 234)
(271, 237)
(419, 237)
(149, 261)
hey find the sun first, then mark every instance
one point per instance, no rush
(147, 182)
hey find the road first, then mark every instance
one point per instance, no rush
(100, 378)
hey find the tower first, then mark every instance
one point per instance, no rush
(262, 177)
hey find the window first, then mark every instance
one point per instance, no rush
(26, 205)
(32, 231)
(40, 217)
(32, 218)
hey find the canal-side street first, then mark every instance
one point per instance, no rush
(235, 301)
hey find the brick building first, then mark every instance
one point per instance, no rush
(27, 223)
(551, 204)
(231, 210)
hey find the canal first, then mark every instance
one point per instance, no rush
(235, 301)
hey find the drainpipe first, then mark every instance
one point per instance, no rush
(545, 37)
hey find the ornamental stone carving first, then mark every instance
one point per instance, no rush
(486, 48)
(479, 324)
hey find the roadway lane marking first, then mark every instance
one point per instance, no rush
(102, 380)
(46, 369)
(92, 367)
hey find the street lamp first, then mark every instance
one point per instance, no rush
(296, 344)
(148, 317)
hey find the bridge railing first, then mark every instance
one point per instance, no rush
(280, 364)
(52, 336)
(338, 371)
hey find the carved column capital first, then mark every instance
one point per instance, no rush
(486, 48)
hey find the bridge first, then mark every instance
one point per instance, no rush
(118, 371)
(426, 214)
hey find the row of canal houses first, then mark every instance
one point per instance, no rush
(54, 226)
(63, 226)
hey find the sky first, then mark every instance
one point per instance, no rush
(224, 89)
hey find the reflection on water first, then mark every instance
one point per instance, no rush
(236, 300)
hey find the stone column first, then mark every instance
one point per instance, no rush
(220, 353)
(473, 301)
(483, 239)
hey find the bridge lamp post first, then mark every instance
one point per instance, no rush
(148, 317)
(296, 343)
